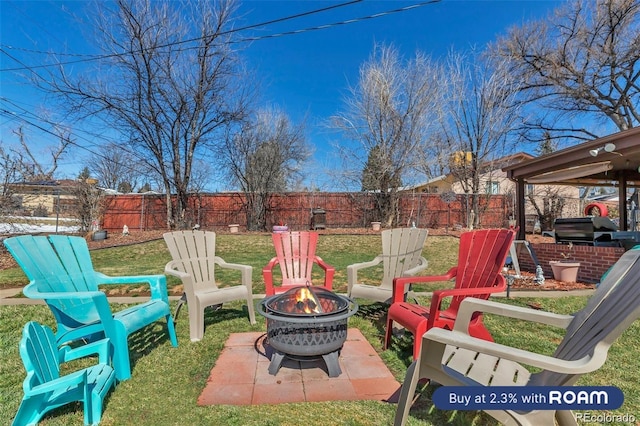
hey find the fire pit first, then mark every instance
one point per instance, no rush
(306, 323)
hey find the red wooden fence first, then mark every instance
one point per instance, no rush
(342, 210)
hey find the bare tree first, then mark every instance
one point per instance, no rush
(31, 166)
(479, 117)
(22, 164)
(90, 201)
(389, 114)
(581, 62)
(8, 175)
(168, 81)
(115, 168)
(263, 158)
(547, 200)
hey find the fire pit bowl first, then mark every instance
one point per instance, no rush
(307, 322)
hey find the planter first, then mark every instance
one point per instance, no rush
(278, 229)
(234, 228)
(375, 226)
(99, 235)
(565, 271)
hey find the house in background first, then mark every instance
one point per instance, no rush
(494, 181)
(44, 198)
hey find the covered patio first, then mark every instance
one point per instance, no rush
(611, 161)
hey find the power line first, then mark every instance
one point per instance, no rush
(90, 58)
(336, 24)
(243, 40)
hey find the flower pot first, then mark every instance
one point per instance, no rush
(278, 229)
(375, 226)
(233, 228)
(565, 271)
(99, 235)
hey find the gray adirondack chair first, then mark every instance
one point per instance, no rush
(453, 358)
(401, 256)
(194, 262)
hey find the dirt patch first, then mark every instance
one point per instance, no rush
(527, 282)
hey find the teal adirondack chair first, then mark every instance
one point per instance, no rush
(44, 387)
(61, 273)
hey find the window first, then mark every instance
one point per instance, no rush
(493, 187)
(528, 189)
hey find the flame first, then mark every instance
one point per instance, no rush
(305, 301)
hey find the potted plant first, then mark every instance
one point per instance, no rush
(565, 270)
(280, 228)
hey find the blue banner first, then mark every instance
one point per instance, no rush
(528, 398)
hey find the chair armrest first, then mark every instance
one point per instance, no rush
(352, 270)
(471, 305)
(267, 274)
(31, 291)
(399, 283)
(99, 347)
(246, 271)
(157, 283)
(171, 268)
(188, 286)
(73, 379)
(329, 271)
(462, 340)
(422, 265)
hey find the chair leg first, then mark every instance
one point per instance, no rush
(480, 331)
(121, 362)
(417, 338)
(407, 391)
(182, 301)
(251, 309)
(388, 333)
(30, 411)
(171, 327)
(196, 323)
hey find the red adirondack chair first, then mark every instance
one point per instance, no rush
(481, 257)
(296, 255)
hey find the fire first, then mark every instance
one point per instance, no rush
(305, 301)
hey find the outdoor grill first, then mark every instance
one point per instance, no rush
(306, 323)
(595, 231)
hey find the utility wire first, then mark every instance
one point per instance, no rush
(243, 40)
(90, 58)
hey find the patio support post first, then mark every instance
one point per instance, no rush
(622, 200)
(520, 211)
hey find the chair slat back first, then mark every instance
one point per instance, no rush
(296, 252)
(481, 257)
(195, 253)
(614, 306)
(57, 263)
(401, 250)
(39, 353)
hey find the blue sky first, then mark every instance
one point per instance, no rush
(307, 73)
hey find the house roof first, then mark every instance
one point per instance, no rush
(498, 163)
(601, 162)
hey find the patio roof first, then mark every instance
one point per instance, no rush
(613, 160)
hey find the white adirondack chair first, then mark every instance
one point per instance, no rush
(453, 358)
(401, 256)
(194, 262)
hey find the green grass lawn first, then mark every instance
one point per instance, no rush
(167, 381)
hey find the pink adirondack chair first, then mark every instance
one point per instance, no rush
(296, 255)
(481, 257)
